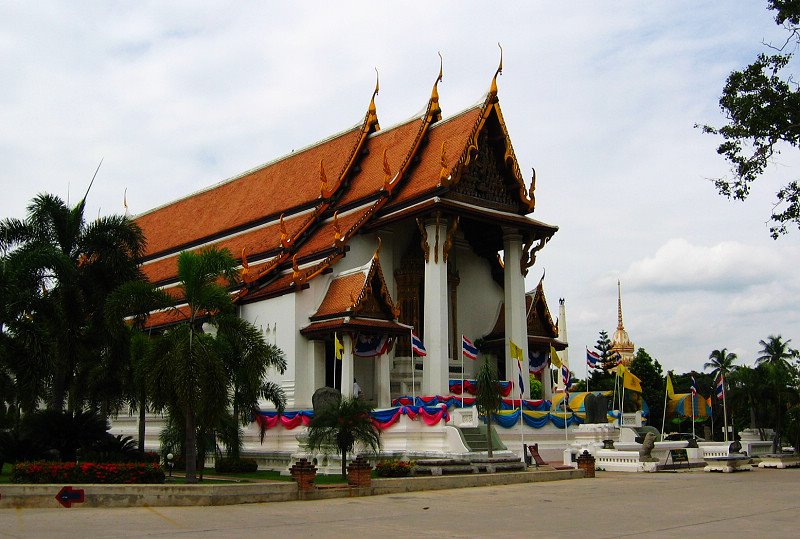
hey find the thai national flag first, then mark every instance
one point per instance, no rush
(592, 359)
(521, 382)
(565, 376)
(468, 348)
(720, 387)
(694, 387)
(417, 347)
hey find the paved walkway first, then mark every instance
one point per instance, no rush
(757, 503)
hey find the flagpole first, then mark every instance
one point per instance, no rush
(587, 371)
(462, 368)
(335, 359)
(413, 368)
(693, 434)
(725, 408)
(664, 420)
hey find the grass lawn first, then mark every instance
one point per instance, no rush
(261, 475)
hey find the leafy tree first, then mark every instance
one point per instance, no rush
(488, 398)
(199, 374)
(247, 358)
(74, 265)
(762, 106)
(537, 389)
(342, 426)
(649, 371)
(601, 378)
(775, 356)
(721, 363)
(184, 371)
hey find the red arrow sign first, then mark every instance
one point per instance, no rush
(67, 496)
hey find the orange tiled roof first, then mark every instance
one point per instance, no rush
(368, 173)
(288, 183)
(342, 294)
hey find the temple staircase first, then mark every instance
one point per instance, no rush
(475, 439)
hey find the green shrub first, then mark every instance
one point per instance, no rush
(87, 472)
(393, 468)
(230, 465)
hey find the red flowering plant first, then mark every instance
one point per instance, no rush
(393, 468)
(87, 472)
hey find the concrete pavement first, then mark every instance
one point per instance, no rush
(757, 503)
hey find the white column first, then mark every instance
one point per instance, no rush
(383, 369)
(348, 370)
(547, 383)
(514, 296)
(436, 371)
(314, 376)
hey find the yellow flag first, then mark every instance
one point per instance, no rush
(631, 381)
(620, 370)
(516, 351)
(338, 347)
(670, 389)
(554, 359)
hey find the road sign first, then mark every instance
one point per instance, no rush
(67, 496)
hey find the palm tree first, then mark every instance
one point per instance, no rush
(76, 264)
(488, 398)
(247, 358)
(134, 299)
(342, 425)
(775, 351)
(721, 362)
(775, 356)
(185, 370)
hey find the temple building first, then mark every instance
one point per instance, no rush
(369, 234)
(620, 342)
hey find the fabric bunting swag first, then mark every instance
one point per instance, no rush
(383, 419)
(471, 387)
(465, 402)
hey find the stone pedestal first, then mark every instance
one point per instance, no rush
(359, 473)
(304, 473)
(586, 463)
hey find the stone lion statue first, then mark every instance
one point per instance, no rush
(647, 447)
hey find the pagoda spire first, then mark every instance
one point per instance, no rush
(619, 306)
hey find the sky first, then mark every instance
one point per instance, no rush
(602, 98)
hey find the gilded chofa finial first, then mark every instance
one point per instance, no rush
(433, 107)
(444, 173)
(337, 232)
(533, 187)
(377, 255)
(245, 266)
(373, 110)
(387, 172)
(493, 89)
(284, 235)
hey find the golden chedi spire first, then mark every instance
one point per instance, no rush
(621, 342)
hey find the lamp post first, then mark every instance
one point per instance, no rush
(170, 464)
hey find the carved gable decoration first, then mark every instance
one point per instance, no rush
(483, 181)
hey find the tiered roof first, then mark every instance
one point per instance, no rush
(290, 220)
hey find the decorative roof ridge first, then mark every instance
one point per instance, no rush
(492, 103)
(248, 172)
(368, 125)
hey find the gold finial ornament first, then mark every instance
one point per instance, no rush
(435, 112)
(323, 182)
(533, 187)
(444, 173)
(373, 110)
(377, 255)
(284, 235)
(387, 173)
(245, 266)
(337, 232)
(493, 89)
